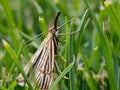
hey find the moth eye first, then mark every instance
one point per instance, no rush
(53, 31)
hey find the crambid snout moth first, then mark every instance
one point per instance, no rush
(42, 62)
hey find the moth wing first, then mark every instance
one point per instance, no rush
(30, 65)
(42, 63)
(44, 68)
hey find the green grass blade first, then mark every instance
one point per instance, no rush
(106, 50)
(67, 40)
(13, 85)
(114, 17)
(2, 88)
(92, 56)
(66, 70)
(42, 23)
(70, 58)
(81, 27)
(90, 80)
(16, 61)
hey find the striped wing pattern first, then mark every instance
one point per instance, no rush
(42, 64)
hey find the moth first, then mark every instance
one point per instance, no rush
(42, 62)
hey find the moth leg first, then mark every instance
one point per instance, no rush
(56, 64)
(20, 80)
(59, 49)
(62, 57)
(60, 40)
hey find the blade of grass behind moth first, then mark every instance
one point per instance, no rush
(11, 70)
(63, 85)
(66, 50)
(106, 51)
(31, 42)
(92, 56)
(81, 27)
(2, 88)
(16, 61)
(67, 41)
(43, 26)
(66, 70)
(26, 45)
(13, 85)
(90, 80)
(70, 58)
(13, 65)
(32, 38)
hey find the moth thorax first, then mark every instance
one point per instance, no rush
(52, 29)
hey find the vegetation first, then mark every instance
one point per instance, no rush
(92, 54)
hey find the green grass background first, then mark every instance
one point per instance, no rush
(92, 54)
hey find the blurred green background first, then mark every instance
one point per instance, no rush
(95, 48)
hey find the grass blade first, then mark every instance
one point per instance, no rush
(90, 80)
(2, 88)
(66, 70)
(42, 23)
(114, 16)
(70, 58)
(81, 27)
(106, 50)
(92, 56)
(16, 61)
(13, 85)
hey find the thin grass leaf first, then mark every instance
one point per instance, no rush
(70, 58)
(29, 37)
(2, 88)
(67, 40)
(11, 70)
(16, 61)
(13, 85)
(91, 81)
(81, 27)
(63, 85)
(42, 23)
(66, 70)
(115, 20)
(106, 50)
(92, 56)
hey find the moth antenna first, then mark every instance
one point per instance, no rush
(55, 20)
(65, 23)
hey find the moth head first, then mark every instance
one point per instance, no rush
(53, 29)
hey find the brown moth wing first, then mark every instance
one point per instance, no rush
(42, 64)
